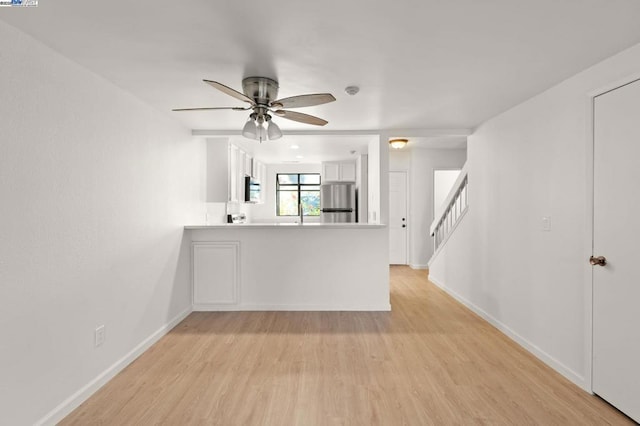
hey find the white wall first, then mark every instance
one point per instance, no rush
(443, 181)
(420, 164)
(378, 159)
(266, 212)
(527, 163)
(95, 188)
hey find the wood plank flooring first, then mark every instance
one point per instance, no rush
(428, 362)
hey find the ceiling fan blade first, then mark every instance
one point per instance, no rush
(300, 117)
(210, 109)
(303, 100)
(229, 91)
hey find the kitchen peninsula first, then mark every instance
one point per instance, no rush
(290, 267)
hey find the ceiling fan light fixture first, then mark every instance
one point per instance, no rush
(261, 93)
(398, 143)
(273, 131)
(261, 130)
(262, 134)
(250, 129)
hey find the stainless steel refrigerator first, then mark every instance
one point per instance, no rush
(338, 202)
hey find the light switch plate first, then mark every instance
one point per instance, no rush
(546, 223)
(99, 336)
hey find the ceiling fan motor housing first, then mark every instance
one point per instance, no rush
(261, 89)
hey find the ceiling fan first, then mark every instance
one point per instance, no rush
(261, 93)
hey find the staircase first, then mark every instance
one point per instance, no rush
(451, 212)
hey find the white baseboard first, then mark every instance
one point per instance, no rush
(74, 401)
(418, 266)
(267, 307)
(526, 344)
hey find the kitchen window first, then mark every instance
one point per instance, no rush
(294, 187)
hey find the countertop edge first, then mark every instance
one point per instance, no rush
(285, 226)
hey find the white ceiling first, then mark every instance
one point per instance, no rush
(306, 149)
(309, 149)
(419, 63)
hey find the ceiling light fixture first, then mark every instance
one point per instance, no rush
(398, 143)
(261, 93)
(294, 147)
(351, 90)
(255, 128)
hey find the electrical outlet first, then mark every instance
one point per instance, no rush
(99, 335)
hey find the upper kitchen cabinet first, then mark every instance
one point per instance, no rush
(227, 166)
(339, 171)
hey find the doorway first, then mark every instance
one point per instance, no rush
(616, 230)
(398, 222)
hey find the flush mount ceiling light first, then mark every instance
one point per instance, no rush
(398, 143)
(351, 90)
(261, 94)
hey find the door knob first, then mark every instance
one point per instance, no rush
(600, 260)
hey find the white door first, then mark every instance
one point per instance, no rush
(616, 232)
(398, 218)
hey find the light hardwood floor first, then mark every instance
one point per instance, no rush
(428, 362)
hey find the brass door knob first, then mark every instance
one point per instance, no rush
(600, 260)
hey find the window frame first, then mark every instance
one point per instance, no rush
(300, 188)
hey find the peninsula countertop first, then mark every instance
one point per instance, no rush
(286, 225)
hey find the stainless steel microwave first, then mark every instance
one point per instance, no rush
(251, 190)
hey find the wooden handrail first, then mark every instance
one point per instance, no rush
(442, 210)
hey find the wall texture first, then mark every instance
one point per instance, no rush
(530, 162)
(95, 188)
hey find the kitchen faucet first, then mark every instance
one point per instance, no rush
(301, 211)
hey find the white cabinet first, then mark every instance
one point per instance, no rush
(234, 184)
(227, 166)
(259, 173)
(215, 274)
(248, 165)
(339, 171)
(348, 171)
(330, 172)
(256, 169)
(241, 172)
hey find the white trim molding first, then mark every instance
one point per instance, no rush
(419, 266)
(526, 344)
(74, 401)
(338, 307)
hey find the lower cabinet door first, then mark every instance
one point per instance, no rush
(215, 274)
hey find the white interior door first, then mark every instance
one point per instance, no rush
(616, 231)
(398, 218)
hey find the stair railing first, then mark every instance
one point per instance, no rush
(451, 211)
